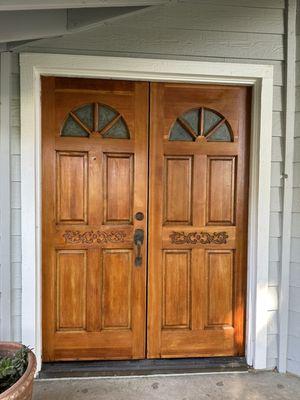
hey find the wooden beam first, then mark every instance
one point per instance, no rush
(13, 5)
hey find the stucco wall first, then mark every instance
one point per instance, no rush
(218, 30)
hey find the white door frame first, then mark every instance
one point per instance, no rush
(260, 77)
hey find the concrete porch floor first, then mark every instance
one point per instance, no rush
(242, 386)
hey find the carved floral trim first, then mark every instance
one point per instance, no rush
(91, 237)
(199, 237)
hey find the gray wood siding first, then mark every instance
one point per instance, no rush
(241, 31)
(16, 258)
(293, 356)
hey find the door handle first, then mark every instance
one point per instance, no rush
(138, 241)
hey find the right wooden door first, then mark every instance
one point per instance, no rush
(199, 148)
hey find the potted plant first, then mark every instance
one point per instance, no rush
(17, 368)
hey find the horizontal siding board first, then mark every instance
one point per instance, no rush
(210, 17)
(15, 145)
(173, 41)
(294, 299)
(273, 273)
(277, 149)
(245, 3)
(16, 221)
(276, 174)
(297, 124)
(16, 256)
(272, 298)
(15, 163)
(297, 99)
(294, 323)
(16, 328)
(278, 98)
(16, 269)
(275, 249)
(276, 199)
(296, 175)
(297, 72)
(15, 113)
(294, 348)
(297, 149)
(295, 274)
(296, 225)
(277, 124)
(295, 251)
(272, 346)
(16, 301)
(296, 200)
(273, 323)
(275, 224)
(15, 194)
(293, 367)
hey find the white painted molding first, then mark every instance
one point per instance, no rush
(5, 213)
(260, 77)
(290, 91)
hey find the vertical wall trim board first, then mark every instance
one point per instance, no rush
(5, 247)
(290, 80)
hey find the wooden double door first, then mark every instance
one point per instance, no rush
(144, 219)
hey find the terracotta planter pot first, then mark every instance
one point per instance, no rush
(22, 389)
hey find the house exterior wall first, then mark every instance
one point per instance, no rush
(241, 31)
(16, 257)
(10, 325)
(293, 356)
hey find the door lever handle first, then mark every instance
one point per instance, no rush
(138, 241)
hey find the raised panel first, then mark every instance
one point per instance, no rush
(118, 188)
(71, 266)
(176, 289)
(178, 190)
(72, 187)
(116, 289)
(219, 266)
(221, 191)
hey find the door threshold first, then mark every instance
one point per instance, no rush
(89, 369)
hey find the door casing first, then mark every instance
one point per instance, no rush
(260, 77)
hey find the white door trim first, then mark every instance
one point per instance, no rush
(260, 77)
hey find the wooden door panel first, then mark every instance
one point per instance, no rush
(94, 182)
(71, 266)
(176, 289)
(198, 220)
(221, 191)
(118, 188)
(178, 176)
(72, 187)
(219, 266)
(116, 288)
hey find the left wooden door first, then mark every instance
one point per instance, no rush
(94, 188)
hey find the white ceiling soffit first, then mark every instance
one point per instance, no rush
(15, 5)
